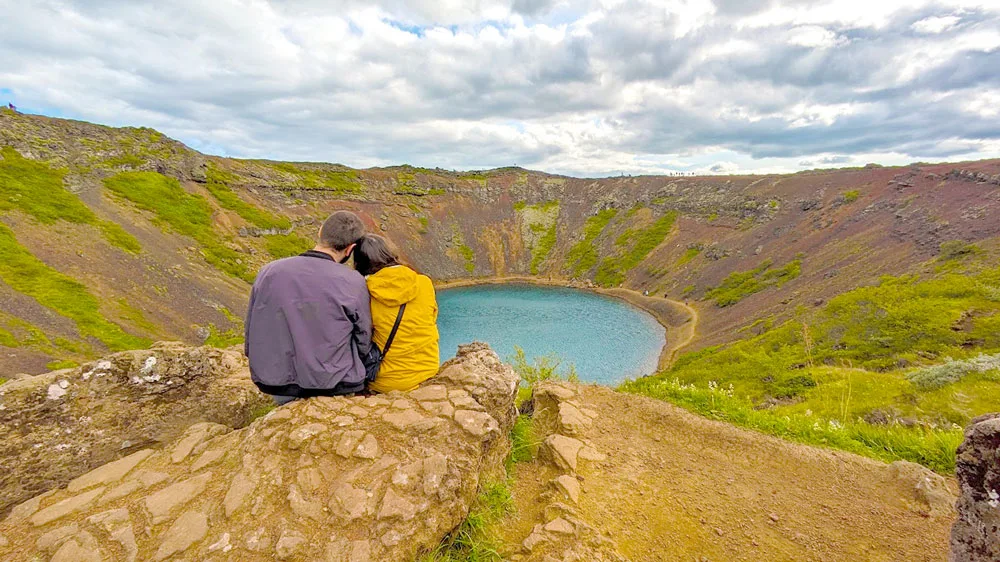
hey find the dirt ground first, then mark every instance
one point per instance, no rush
(676, 486)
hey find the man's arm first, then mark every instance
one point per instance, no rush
(246, 322)
(362, 318)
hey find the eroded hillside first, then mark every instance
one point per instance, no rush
(112, 238)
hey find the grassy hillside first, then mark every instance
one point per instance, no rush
(177, 236)
(893, 370)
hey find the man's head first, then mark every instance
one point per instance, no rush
(340, 233)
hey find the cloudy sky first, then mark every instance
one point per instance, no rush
(593, 88)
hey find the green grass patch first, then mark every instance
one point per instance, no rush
(477, 538)
(582, 257)
(469, 256)
(543, 248)
(216, 184)
(60, 293)
(185, 213)
(340, 182)
(61, 364)
(851, 196)
(638, 243)
(37, 190)
(689, 254)
(286, 245)
(933, 448)
(741, 284)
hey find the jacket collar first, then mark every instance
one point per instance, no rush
(317, 254)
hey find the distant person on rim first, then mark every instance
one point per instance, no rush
(309, 322)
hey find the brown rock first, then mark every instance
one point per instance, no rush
(188, 529)
(975, 536)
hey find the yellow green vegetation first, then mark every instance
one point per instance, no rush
(851, 196)
(892, 371)
(538, 229)
(406, 184)
(185, 213)
(285, 245)
(61, 364)
(582, 257)
(635, 244)
(129, 147)
(741, 284)
(218, 184)
(60, 293)
(337, 181)
(478, 538)
(37, 190)
(689, 254)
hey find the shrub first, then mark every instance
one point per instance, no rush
(851, 196)
(955, 249)
(540, 368)
(952, 371)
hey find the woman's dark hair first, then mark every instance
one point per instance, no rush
(372, 254)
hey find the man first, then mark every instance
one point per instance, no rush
(309, 320)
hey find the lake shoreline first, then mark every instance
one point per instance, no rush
(679, 320)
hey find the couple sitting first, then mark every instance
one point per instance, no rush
(312, 321)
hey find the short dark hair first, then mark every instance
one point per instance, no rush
(342, 229)
(373, 254)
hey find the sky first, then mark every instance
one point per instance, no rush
(589, 88)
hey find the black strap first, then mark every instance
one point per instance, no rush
(392, 334)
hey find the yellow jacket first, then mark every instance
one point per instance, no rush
(413, 357)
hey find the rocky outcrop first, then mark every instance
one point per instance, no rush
(564, 535)
(975, 536)
(377, 478)
(56, 426)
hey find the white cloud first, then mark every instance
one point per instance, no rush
(595, 87)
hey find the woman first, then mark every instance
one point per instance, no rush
(413, 356)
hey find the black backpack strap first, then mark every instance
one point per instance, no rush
(392, 334)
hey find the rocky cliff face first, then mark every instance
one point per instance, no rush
(57, 426)
(359, 479)
(976, 534)
(184, 276)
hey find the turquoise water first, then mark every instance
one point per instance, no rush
(606, 339)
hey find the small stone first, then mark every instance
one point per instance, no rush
(302, 506)
(289, 543)
(358, 412)
(163, 502)
(774, 517)
(430, 392)
(589, 453)
(188, 529)
(239, 489)
(403, 419)
(560, 526)
(719, 531)
(56, 391)
(184, 447)
(348, 442)
(368, 449)
(310, 479)
(536, 538)
(259, 541)
(349, 501)
(401, 404)
(435, 469)
(150, 478)
(394, 505)
(343, 421)
(28, 508)
(476, 423)
(55, 537)
(439, 408)
(569, 486)
(302, 434)
(208, 457)
(66, 507)
(73, 551)
(563, 450)
(120, 491)
(111, 472)
(222, 544)
(466, 402)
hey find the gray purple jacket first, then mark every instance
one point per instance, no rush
(307, 327)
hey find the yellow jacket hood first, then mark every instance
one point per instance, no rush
(393, 285)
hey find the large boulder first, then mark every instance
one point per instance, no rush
(378, 478)
(56, 426)
(975, 537)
